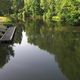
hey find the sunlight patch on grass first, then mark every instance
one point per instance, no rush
(5, 19)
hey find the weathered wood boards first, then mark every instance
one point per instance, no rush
(8, 35)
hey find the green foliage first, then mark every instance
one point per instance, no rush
(57, 10)
(5, 6)
(49, 8)
(72, 11)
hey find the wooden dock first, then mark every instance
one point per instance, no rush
(8, 35)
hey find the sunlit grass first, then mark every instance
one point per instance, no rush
(4, 19)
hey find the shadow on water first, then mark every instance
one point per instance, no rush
(5, 52)
(62, 41)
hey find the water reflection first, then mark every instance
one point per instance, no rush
(64, 44)
(55, 52)
(18, 34)
(5, 52)
(6, 49)
(30, 62)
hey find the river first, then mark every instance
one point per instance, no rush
(41, 51)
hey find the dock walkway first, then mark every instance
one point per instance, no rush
(8, 35)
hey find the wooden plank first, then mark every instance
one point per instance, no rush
(8, 34)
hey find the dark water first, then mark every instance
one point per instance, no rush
(41, 51)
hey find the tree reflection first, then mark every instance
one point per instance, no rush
(67, 49)
(5, 52)
(18, 33)
(65, 45)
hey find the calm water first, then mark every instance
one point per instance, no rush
(41, 51)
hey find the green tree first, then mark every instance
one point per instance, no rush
(5, 7)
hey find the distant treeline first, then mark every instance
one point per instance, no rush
(56, 10)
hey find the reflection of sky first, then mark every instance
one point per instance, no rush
(31, 63)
